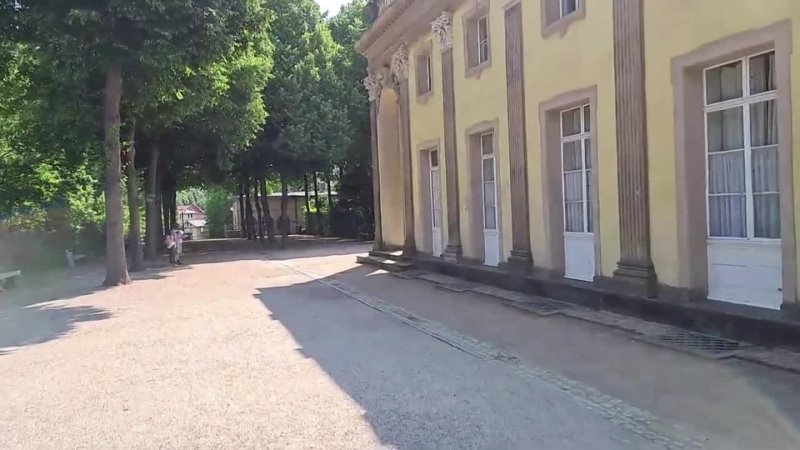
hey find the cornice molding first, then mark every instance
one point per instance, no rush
(402, 21)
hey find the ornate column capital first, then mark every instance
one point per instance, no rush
(373, 86)
(442, 29)
(400, 67)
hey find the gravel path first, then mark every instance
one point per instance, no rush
(252, 354)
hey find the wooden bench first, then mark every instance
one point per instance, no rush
(9, 279)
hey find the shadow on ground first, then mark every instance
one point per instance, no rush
(36, 324)
(308, 311)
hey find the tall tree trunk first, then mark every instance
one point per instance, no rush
(165, 209)
(173, 217)
(259, 215)
(319, 231)
(153, 209)
(309, 218)
(330, 202)
(248, 207)
(283, 222)
(160, 206)
(242, 218)
(116, 264)
(134, 246)
(270, 226)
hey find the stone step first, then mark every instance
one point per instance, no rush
(390, 255)
(388, 265)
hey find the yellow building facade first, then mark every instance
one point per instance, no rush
(638, 146)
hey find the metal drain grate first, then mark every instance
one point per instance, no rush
(697, 343)
(541, 306)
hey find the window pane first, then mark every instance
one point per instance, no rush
(767, 211)
(488, 169)
(725, 130)
(487, 144)
(483, 53)
(568, 6)
(590, 223)
(587, 143)
(726, 216)
(762, 73)
(765, 170)
(573, 217)
(488, 194)
(572, 155)
(573, 187)
(429, 73)
(726, 173)
(724, 83)
(571, 122)
(483, 40)
(587, 120)
(489, 218)
(764, 123)
(483, 29)
(434, 158)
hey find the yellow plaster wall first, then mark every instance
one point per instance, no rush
(427, 124)
(389, 166)
(673, 28)
(580, 58)
(479, 100)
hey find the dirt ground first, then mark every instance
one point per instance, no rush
(305, 349)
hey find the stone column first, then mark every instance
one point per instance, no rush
(374, 88)
(635, 270)
(443, 31)
(520, 259)
(400, 72)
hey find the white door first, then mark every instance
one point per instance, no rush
(436, 204)
(576, 158)
(491, 232)
(744, 235)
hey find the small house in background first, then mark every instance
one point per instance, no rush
(192, 219)
(295, 210)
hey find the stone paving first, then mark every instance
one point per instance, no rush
(304, 349)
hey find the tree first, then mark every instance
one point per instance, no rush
(115, 37)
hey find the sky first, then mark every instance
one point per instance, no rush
(332, 6)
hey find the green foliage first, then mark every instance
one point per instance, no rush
(193, 196)
(218, 205)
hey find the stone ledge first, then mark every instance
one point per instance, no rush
(753, 325)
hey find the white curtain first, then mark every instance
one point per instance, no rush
(762, 73)
(489, 195)
(724, 83)
(766, 196)
(727, 213)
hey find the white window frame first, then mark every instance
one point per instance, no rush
(436, 194)
(583, 136)
(428, 74)
(494, 181)
(561, 12)
(483, 58)
(744, 102)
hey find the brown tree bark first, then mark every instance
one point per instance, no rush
(153, 220)
(318, 225)
(242, 218)
(248, 208)
(134, 246)
(308, 216)
(165, 209)
(259, 215)
(283, 221)
(269, 224)
(173, 216)
(116, 264)
(330, 202)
